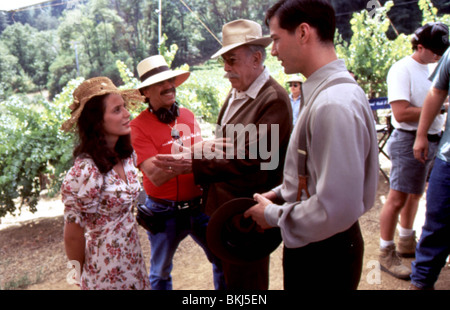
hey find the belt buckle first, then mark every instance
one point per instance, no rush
(184, 205)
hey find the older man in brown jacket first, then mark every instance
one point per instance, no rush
(257, 117)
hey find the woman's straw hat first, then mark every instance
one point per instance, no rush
(241, 32)
(154, 69)
(94, 87)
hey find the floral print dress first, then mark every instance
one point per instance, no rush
(103, 205)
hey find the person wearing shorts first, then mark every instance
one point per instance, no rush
(408, 86)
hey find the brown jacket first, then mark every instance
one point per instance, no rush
(226, 179)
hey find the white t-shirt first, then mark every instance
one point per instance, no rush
(408, 80)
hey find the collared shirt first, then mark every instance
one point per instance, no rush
(238, 98)
(342, 163)
(295, 103)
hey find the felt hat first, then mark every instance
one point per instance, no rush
(236, 239)
(241, 32)
(155, 69)
(433, 36)
(94, 87)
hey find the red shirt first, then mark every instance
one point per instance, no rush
(150, 137)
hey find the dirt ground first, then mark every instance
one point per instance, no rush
(32, 254)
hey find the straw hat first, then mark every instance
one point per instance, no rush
(295, 78)
(91, 88)
(241, 32)
(154, 69)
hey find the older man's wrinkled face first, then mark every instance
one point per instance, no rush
(241, 67)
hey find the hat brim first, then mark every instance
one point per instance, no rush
(235, 245)
(295, 79)
(262, 41)
(179, 75)
(131, 97)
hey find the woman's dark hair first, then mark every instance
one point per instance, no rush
(92, 140)
(319, 14)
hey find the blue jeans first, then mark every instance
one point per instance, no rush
(434, 244)
(178, 225)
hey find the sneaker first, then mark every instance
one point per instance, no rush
(392, 264)
(407, 246)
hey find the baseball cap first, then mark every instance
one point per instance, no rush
(433, 36)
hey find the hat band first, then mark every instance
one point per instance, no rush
(153, 72)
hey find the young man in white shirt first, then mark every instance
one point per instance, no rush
(408, 85)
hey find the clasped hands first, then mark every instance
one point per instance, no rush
(181, 163)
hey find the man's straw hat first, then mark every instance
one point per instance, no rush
(154, 69)
(295, 78)
(94, 87)
(241, 32)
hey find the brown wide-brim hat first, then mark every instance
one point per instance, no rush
(241, 32)
(155, 69)
(236, 239)
(94, 87)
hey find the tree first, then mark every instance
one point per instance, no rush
(34, 147)
(370, 53)
(11, 77)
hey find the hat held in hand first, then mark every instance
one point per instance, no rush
(236, 239)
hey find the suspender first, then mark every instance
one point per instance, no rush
(302, 143)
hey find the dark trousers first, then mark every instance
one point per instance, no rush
(334, 263)
(249, 276)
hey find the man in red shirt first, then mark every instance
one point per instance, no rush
(172, 195)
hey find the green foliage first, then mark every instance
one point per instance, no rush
(110, 42)
(36, 153)
(370, 53)
(168, 53)
(203, 92)
(430, 13)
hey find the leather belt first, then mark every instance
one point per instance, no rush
(431, 138)
(180, 205)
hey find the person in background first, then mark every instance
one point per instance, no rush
(408, 86)
(172, 195)
(434, 244)
(101, 189)
(295, 86)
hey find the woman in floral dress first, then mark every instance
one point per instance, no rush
(100, 191)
